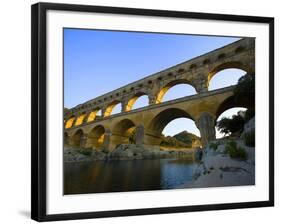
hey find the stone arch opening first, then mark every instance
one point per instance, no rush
(95, 114)
(75, 140)
(96, 137)
(228, 113)
(137, 101)
(226, 77)
(80, 119)
(113, 108)
(180, 125)
(227, 65)
(229, 103)
(69, 122)
(160, 121)
(165, 95)
(123, 133)
(181, 132)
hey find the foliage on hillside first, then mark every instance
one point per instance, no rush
(65, 109)
(186, 137)
(182, 139)
(169, 141)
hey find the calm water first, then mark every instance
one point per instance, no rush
(126, 175)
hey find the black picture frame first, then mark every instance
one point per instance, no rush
(39, 122)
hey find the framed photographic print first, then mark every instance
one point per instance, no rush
(139, 111)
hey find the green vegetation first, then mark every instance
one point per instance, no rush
(235, 152)
(236, 123)
(249, 138)
(86, 152)
(244, 92)
(250, 113)
(214, 145)
(172, 142)
(231, 125)
(182, 139)
(65, 110)
(186, 137)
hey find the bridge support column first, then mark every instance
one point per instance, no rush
(151, 139)
(84, 142)
(201, 84)
(103, 109)
(75, 141)
(66, 140)
(116, 139)
(206, 125)
(106, 141)
(139, 134)
(203, 88)
(124, 104)
(152, 99)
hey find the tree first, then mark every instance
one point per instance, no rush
(231, 125)
(244, 92)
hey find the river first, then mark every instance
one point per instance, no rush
(126, 175)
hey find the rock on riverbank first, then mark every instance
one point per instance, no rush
(217, 168)
(122, 152)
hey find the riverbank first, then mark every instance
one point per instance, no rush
(124, 152)
(218, 168)
(227, 162)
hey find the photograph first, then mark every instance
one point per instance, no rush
(140, 112)
(147, 111)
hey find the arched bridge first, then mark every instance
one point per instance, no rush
(86, 129)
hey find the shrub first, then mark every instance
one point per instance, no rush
(235, 152)
(249, 138)
(214, 145)
(86, 152)
(231, 144)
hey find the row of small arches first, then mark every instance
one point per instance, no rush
(125, 128)
(216, 70)
(180, 70)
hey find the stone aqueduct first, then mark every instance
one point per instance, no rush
(85, 129)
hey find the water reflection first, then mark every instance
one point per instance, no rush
(126, 175)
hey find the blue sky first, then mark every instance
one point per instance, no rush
(96, 62)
